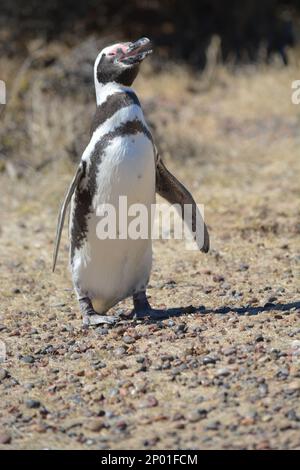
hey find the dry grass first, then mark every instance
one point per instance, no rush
(235, 143)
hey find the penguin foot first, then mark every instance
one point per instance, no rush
(95, 320)
(151, 313)
(90, 317)
(142, 308)
(142, 313)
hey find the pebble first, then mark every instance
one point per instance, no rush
(95, 425)
(181, 328)
(259, 338)
(198, 415)
(3, 374)
(263, 390)
(150, 403)
(27, 359)
(212, 426)
(293, 387)
(128, 339)
(218, 278)
(167, 357)
(33, 403)
(121, 425)
(101, 331)
(243, 267)
(229, 351)
(223, 372)
(208, 360)
(118, 352)
(140, 359)
(5, 438)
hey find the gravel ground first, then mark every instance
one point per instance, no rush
(222, 370)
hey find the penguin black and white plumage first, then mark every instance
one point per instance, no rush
(120, 160)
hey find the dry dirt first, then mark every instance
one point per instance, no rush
(224, 371)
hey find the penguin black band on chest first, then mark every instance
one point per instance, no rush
(120, 160)
(113, 104)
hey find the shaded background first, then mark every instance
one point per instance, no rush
(48, 48)
(181, 30)
(217, 95)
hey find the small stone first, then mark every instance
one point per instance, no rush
(196, 416)
(293, 416)
(212, 426)
(119, 352)
(208, 360)
(167, 357)
(150, 403)
(259, 338)
(128, 339)
(101, 331)
(27, 359)
(181, 328)
(193, 417)
(218, 278)
(263, 445)
(263, 390)
(121, 425)
(3, 374)
(229, 351)
(81, 373)
(243, 267)
(140, 359)
(293, 387)
(95, 425)
(223, 372)
(16, 290)
(33, 403)
(5, 438)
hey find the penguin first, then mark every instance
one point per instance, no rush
(120, 160)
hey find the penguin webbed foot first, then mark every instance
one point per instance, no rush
(142, 308)
(95, 320)
(151, 314)
(144, 313)
(91, 317)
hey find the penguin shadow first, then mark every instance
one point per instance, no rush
(162, 314)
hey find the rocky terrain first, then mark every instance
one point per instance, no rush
(222, 369)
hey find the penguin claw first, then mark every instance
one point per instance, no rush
(150, 313)
(94, 320)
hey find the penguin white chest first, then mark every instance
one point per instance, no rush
(110, 269)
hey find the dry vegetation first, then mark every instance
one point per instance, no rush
(225, 373)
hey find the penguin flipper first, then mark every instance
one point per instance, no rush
(174, 192)
(63, 210)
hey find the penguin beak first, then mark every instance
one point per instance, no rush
(136, 52)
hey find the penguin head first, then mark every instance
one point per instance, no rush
(120, 62)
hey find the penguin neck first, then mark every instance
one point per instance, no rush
(103, 91)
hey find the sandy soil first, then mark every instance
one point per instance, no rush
(224, 372)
